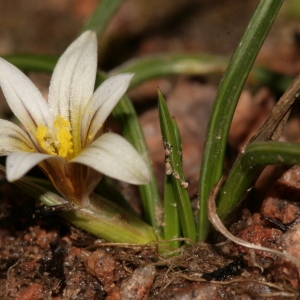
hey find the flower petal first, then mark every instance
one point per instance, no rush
(67, 178)
(73, 81)
(19, 163)
(13, 138)
(24, 99)
(113, 156)
(102, 103)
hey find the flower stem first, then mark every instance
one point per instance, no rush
(103, 218)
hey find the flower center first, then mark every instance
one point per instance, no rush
(56, 140)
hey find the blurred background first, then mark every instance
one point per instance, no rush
(143, 27)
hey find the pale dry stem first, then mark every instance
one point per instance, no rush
(217, 223)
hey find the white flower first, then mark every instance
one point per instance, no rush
(66, 135)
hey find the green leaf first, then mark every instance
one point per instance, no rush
(256, 156)
(243, 175)
(174, 154)
(127, 118)
(128, 121)
(225, 103)
(171, 64)
(172, 229)
(159, 65)
(33, 62)
(102, 15)
(171, 216)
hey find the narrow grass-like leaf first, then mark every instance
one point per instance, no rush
(128, 121)
(270, 130)
(102, 15)
(175, 171)
(159, 65)
(256, 156)
(171, 216)
(171, 64)
(127, 118)
(33, 62)
(225, 103)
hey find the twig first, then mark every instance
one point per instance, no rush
(272, 128)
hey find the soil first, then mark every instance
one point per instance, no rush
(42, 257)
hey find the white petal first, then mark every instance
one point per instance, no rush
(113, 156)
(73, 81)
(102, 103)
(24, 99)
(13, 138)
(19, 163)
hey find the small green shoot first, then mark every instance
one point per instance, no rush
(173, 154)
(171, 215)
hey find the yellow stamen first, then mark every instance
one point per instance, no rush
(64, 136)
(43, 137)
(56, 140)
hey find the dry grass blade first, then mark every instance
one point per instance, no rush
(216, 222)
(272, 128)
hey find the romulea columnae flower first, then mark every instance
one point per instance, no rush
(65, 135)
